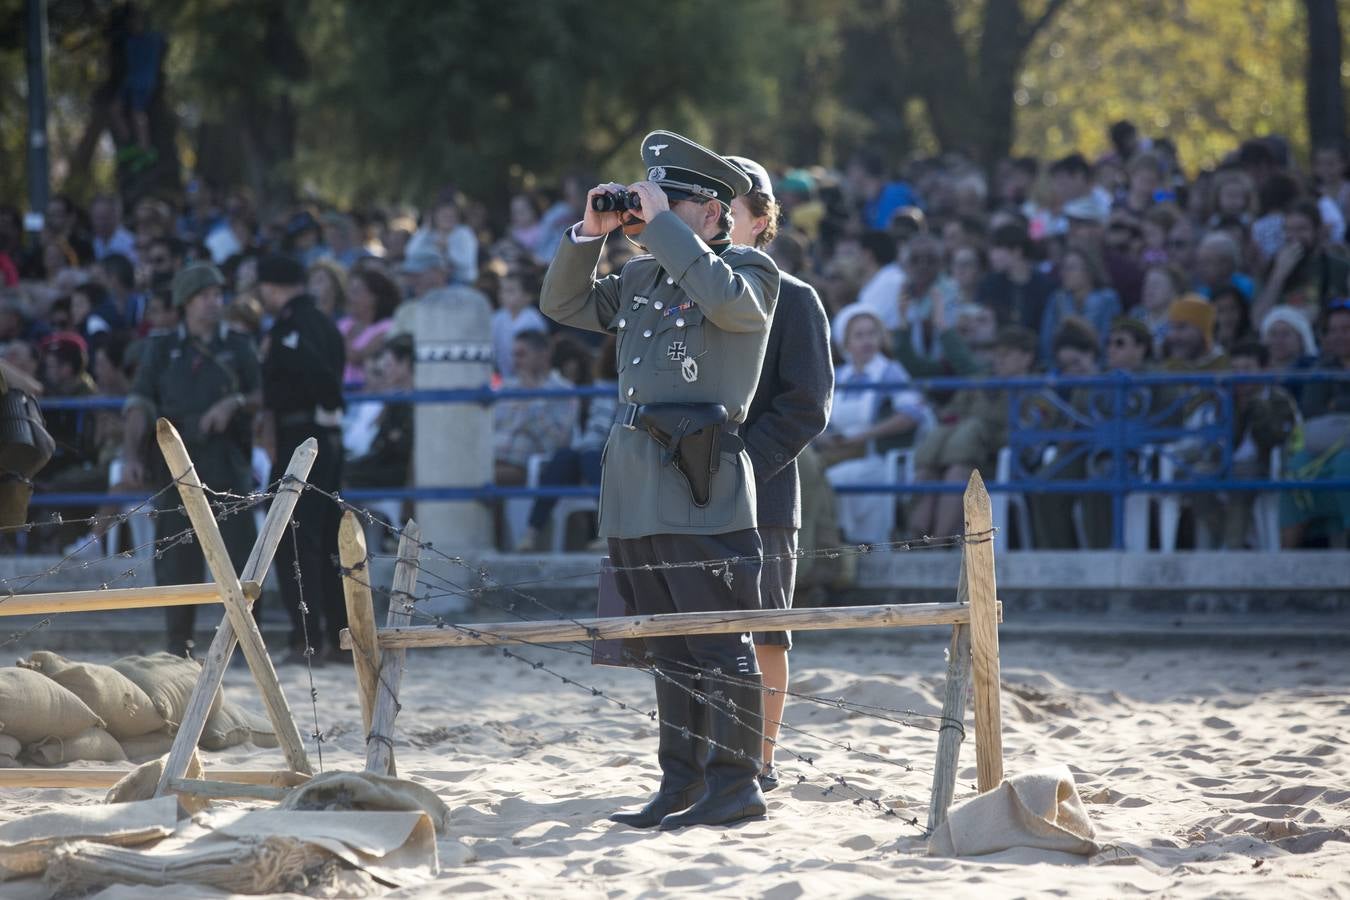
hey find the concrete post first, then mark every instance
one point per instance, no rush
(452, 442)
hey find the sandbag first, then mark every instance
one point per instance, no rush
(168, 680)
(34, 708)
(9, 751)
(232, 725)
(140, 783)
(90, 745)
(125, 709)
(147, 746)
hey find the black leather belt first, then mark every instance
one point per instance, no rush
(659, 419)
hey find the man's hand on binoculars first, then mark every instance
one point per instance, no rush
(654, 200)
(594, 224)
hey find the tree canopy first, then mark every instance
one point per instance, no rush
(358, 101)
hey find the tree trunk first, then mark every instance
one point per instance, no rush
(1325, 97)
(939, 72)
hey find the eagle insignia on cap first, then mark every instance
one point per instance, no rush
(657, 173)
(657, 148)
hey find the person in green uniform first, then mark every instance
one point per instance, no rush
(205, 379)
(692, 319)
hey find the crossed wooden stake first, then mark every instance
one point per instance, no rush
(237, 628)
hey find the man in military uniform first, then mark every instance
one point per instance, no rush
(692, 320)
(302, 391)
(204, 378)
(791, 408)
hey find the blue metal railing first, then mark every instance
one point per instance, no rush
(1106, 423)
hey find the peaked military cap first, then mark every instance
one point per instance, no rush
(684, 169)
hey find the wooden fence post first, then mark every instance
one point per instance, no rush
(360, 612)
(952, 729)
(380, 737)
(977, 565)
(237, 613)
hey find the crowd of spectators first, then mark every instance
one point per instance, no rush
(1125, 263)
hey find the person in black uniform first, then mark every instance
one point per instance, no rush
(790, 409)
(204, 379)
(302, 390)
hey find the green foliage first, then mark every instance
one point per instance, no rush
(1207, 73)
(490, 93)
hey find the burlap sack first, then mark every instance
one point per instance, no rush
(232, 725)
(115, 698)
(147, 746)
(9, 751)
(34, 708)
(168, 681)
(90, 745)
(140, 783)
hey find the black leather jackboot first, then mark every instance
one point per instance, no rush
(732, 768)
(679, 751)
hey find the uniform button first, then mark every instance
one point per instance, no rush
(679, 323)
(636, 360)
(658, 305)
(669, 280)
(623, 323)
(632, 391)
(647, 333)
(779, 457)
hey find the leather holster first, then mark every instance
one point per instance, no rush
(693, 436)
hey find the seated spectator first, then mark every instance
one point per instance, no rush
(580, 462)
(1014, 288)
(967, 272)
(1190, 337)
(92, 313)
(971, 430)
(372, 299)
(1129, 346)
(1289, 340)
(117, 276)
(328, 286)
(925, 297)
(1234, 198)
(387, 461)
(516, 312)
(1075, 352)
(1232, 318)
(1083, 294)
(445, 235)
(1331, 175)
(864, 425)
(1304, 275)
(1162, 286)
(539, 426)
(875, 266)
(1320, 449)
(1217, 260)
(74, 465)
(1264, 416)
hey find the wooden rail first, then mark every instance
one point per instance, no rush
(94, 779)
(810, 619)
(118, 598)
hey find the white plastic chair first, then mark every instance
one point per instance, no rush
(1265, 523)
(141, 525)
(1005, 505)
(565, 508)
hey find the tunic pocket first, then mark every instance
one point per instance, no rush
(675, 503)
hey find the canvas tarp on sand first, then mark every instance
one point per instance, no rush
(1039, 809)
(257, 852)
(27, 844)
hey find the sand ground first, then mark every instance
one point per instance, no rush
(1216, 772)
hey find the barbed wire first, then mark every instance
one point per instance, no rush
(717, 698)
(308, 651)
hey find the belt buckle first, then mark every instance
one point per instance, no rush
(629, 418)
